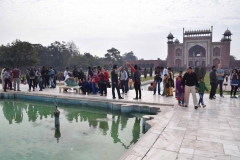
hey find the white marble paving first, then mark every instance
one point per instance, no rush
(179, 133)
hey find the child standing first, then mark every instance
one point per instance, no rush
(202, 88)
(180, 91)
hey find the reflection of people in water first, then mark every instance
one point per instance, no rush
(136, 130)
(57, 134)
(56, 115)
(114, 129)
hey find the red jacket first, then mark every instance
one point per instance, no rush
(105, 74)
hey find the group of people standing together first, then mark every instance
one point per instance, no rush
(190, 83)
(97, 80)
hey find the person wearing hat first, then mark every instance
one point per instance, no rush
(114, 79)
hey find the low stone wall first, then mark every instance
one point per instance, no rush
(125, 107)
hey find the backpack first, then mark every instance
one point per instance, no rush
(32, 73)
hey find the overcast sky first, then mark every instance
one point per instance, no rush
(140, 26)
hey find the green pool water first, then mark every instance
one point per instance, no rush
(86, 133)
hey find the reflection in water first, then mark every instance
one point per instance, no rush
(57, 134)
(95, 118)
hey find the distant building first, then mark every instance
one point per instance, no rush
(198, 49)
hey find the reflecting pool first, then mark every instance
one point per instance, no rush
(28, 132)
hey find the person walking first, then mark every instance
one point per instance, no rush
(202, 89)
(16, 78)
(220, 78)
(213, 82)
(7, 80)
(163, 71)
(136, 80)
(180, 92)
(157, 81)
(114, 79)
(190, 82)
(234, 77)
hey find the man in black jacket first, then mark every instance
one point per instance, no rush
(191, 82)
(213, 82)
(75, 74)
(114, 79)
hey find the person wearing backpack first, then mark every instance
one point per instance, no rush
(123, 79)
(136, 80)
(31, 79)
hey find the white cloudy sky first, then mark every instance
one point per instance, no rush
(140, 26)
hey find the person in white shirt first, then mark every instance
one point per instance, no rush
(163, 72)
(123, 79)
(65, 73)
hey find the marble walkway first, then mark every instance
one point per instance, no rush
(179, 133)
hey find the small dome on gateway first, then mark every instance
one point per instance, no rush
(176, 41)
(227, 33)
(170, 36)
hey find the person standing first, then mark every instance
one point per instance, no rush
(16, 78)
(2, 77)
(136, 80)
(114, 79)
(234, 77)
(157, 81)
(213, 82)
(7, 80)
(51, 77)
(65, 72)
(43, 73)
(123, 79)
(103, 80)
(127, 87)
(220, 78)
(180, 92)
(190, 82)
(163, 71)
(171, 81)
(75, 74)
(32, 79)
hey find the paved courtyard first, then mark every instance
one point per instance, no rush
(178, 132)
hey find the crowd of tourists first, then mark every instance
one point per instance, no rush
(96, 81)
(190, 83)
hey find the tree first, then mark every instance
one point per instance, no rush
(232, 58)
(114, 54)
(129, 56)
(18, 53)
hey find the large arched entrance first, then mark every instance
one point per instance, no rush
(197, 51)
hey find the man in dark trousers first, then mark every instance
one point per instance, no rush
(157, 80)
(136, 80)
(191, 82)
(114, 79)
(213, 82)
